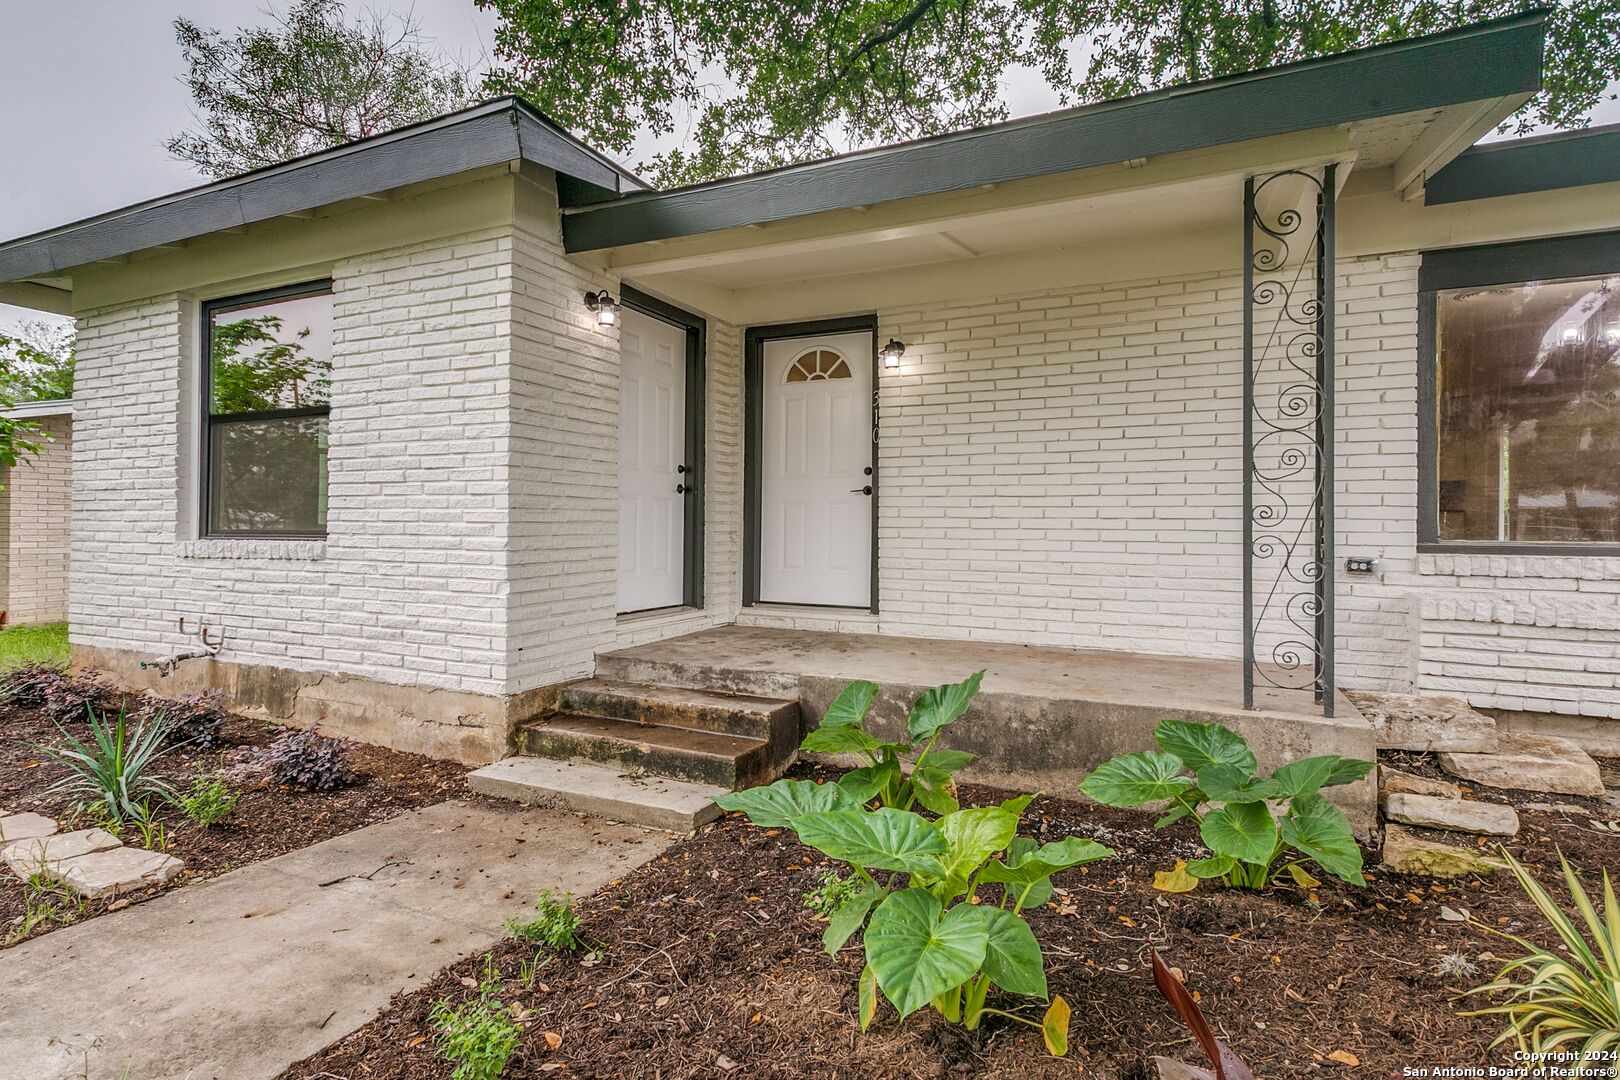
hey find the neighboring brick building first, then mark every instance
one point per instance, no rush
(482, 479)
(36, 506)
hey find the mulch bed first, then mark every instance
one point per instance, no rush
(711, 965)
(269, 820)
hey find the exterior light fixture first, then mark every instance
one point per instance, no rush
(606, 308)
(891, 353)
(1572, 335)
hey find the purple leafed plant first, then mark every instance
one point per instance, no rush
(1228, 1066)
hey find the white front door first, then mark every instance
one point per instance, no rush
(815, 529)
(652, 442)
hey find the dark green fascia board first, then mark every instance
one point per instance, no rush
(1542, 163)
(1493, 59)
(499, 131)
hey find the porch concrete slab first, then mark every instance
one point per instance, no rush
(1044, 717)
(245, 974)
(656, 802)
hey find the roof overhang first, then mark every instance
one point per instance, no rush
(1468, 79)
(34, 410)
(505, 130)
(1542, 163)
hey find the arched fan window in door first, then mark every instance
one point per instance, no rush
(817, 364)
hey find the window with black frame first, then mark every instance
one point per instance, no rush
(1527, 412)
(269, 367)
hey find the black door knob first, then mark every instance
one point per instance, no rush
(867, 490)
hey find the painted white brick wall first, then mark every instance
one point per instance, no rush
(35, 508)
(410, 585)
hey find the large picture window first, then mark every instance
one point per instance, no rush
(268, 364)
(1519, 397)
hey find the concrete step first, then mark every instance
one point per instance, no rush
(704, 757)
(630, 667)
(676, 706)
(600, 790)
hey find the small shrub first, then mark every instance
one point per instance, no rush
(556, 923)
(1247, 841)
(831, 891)
(209, 802)
(65, 698)
(928, 782)
(303, 759)
(1571, 1002)
(194, 720)
(930, 937)
(113, 772)
(154, 836)
(479, 1036)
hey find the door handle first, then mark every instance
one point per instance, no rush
(867, 490)
(681, 489)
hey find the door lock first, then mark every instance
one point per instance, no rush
(867, 490)
(681, 489)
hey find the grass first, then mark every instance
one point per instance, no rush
(27, 646)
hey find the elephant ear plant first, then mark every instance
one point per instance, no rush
(1232, 804)
(930, 937)
(886, 778)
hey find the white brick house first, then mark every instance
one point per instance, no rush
(35, 510)
(1056, 459)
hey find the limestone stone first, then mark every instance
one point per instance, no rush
(14, 827)
(123, 869)
(1393, 781)
(1407, 853)
(1529, 763)
(1425, 722)
(1455, 815)
(27, 857)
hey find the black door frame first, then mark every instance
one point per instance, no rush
(754, 429)
(696, 475)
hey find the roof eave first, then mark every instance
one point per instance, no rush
(1521, 166)
(1499, 61)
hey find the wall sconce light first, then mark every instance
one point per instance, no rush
(606, 308)
(1572, 335)
(891, 353)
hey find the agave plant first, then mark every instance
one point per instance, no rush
(113, 771)
(1571, 1003)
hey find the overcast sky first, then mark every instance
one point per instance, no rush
(91, 88)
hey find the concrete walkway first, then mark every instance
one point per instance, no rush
(241, 976)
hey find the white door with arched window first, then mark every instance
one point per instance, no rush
(816, 483)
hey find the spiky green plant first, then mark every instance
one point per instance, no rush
(113, 772)
(1571, 1003)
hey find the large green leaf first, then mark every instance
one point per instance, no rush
(1017, 805)
(1348, 771)
(1244, 831)
(776, 806)
(932, 789)
(941, 705)
(1024, 866)
(1211, 867)
(1134, 779)
(973, 835)
(1230, 784)
(1012, 957)
(948, 761)
(1319, 830)
(1203, 745)
(840, 740)
(862, 785)
(876, 839)
(917, 955)
(851, 705)
(849, 916)
(1304, 776)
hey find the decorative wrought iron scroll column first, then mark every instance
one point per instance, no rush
(1288, 379)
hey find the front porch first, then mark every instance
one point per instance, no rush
(1045, 715)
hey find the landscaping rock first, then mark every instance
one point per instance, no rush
(124, 869)
(1530, 763)
(45, 853)
(1393, 781)
(14, 827)
(1557, 808)
(1455, 815)
(1407, 853)
(1426, 723)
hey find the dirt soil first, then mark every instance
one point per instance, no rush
(711, 965)
(269, 820)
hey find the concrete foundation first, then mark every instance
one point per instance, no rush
(474, 729)
(1044, 717)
